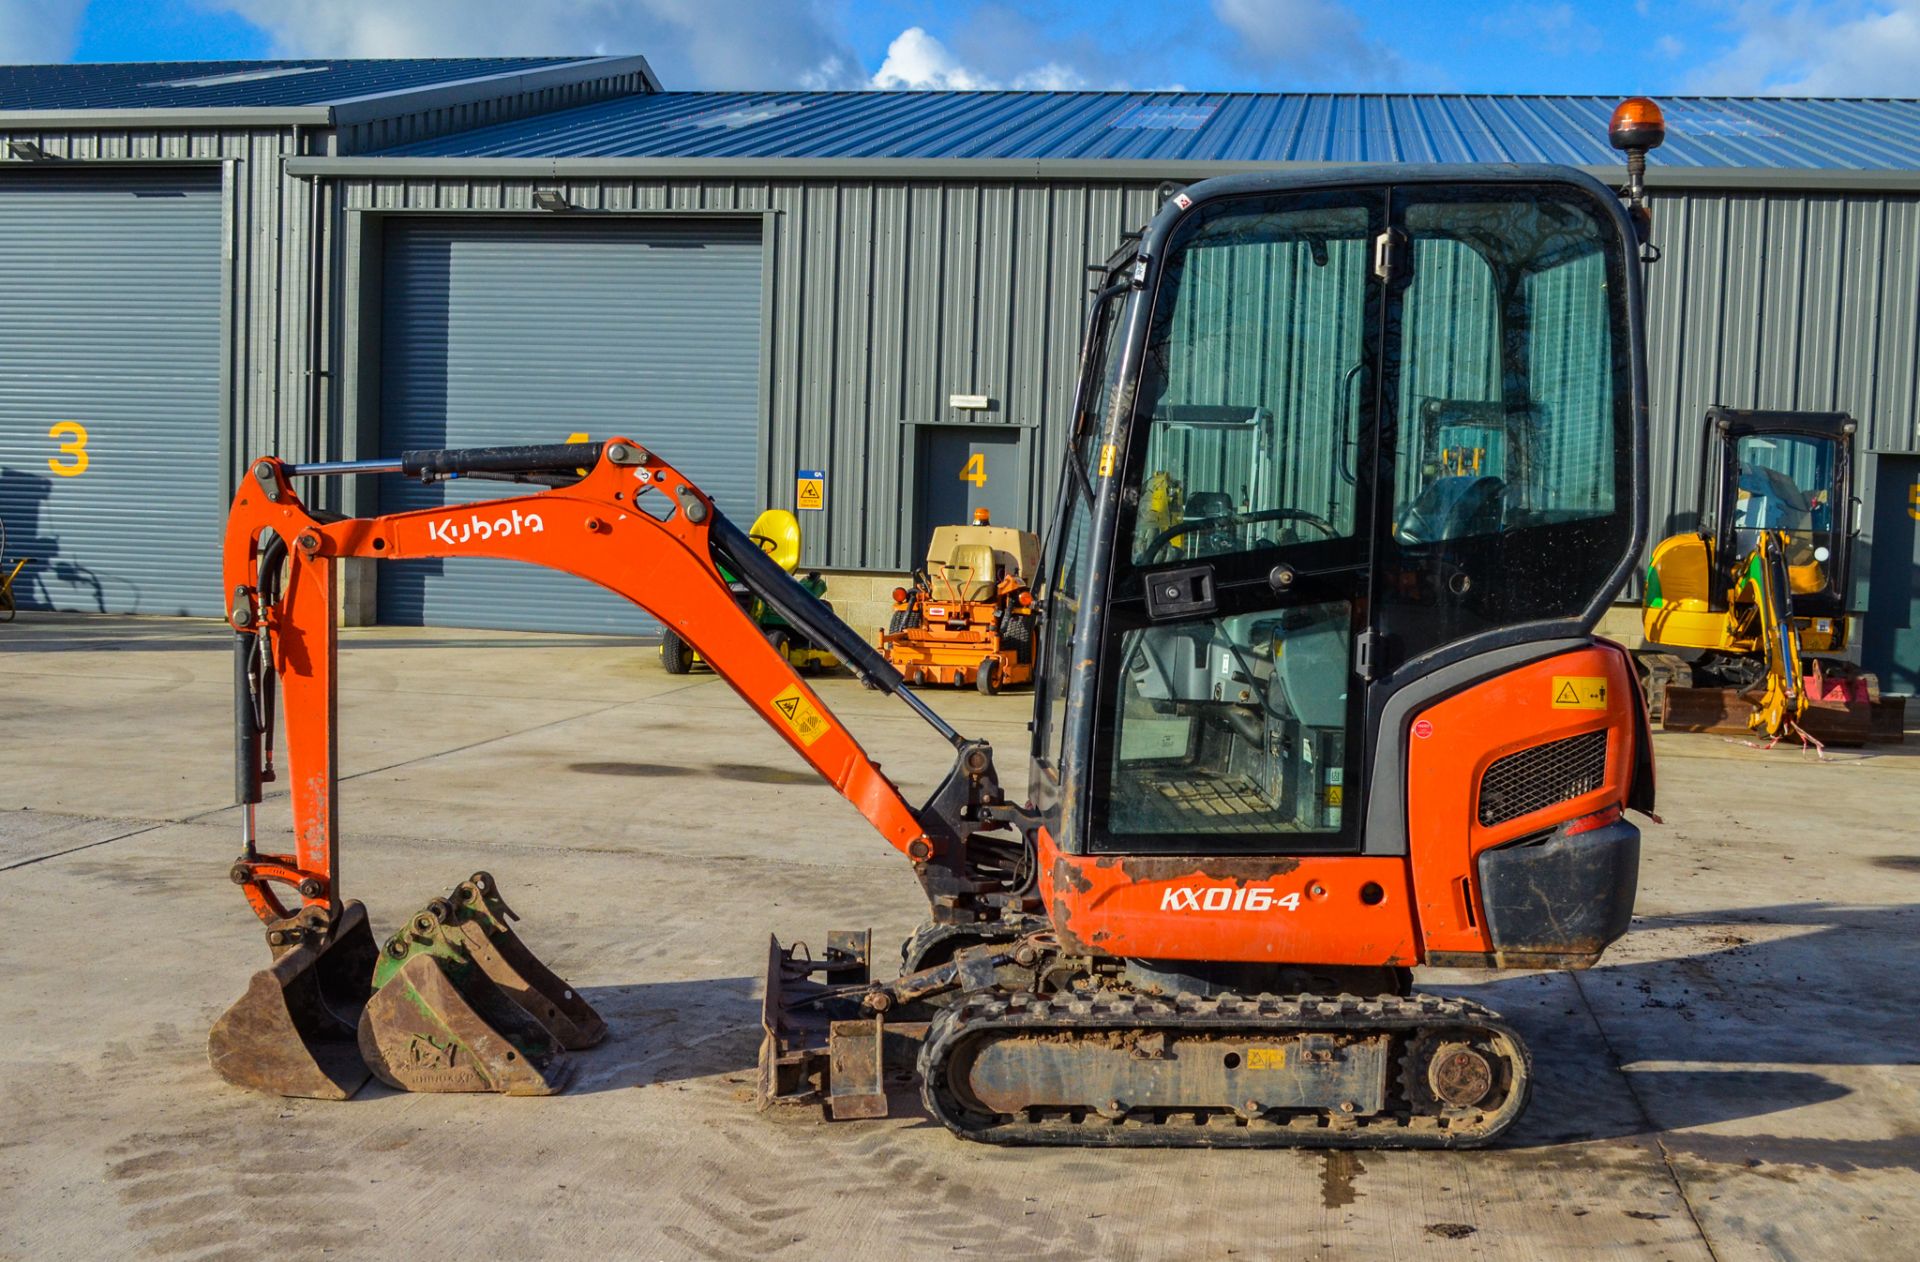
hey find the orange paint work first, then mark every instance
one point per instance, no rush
(1470, 730)
(663, 564)
(1117, 905)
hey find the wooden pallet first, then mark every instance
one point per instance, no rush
(1724, 711)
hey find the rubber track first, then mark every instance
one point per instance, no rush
(988, 1012)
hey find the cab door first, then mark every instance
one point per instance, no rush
(1229, 710)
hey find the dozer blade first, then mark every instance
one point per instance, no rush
(293, 1032)
(821, 1048)
(461, 1004)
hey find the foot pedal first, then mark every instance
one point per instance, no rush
(461, 1004)
(293, 1032)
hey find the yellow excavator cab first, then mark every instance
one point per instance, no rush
(777, 531)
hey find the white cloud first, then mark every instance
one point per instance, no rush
(37, 31)
(917, 60)
(690, 43)
(1847, 48)
(1321, 40)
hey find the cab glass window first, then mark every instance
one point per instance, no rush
(1510, 399)
(1784, 482)
(1254, 364)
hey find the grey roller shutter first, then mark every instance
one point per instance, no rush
(498, 332)
(110, 330)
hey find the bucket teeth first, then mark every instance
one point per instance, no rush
(293, 1032)
(461, 1004)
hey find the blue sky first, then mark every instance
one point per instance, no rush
(1835, 47)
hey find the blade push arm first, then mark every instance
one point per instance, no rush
(633, 524)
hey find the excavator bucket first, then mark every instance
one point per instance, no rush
(461, 1004)
(484, 919)
(293, 1032)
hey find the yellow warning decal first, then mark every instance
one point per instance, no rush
(1266, 1058)
(1579, 692)
(1106, 460)
(1336, 795)
(806, 722)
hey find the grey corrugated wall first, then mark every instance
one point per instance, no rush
(1803, 301)
(889, 295)
(266, 234)
(281, 287)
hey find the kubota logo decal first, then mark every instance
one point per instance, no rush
(1221, 898)
(475, 526)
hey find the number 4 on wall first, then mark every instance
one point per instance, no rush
(975, 470)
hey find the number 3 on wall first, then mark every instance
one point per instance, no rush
(75, 448)
(975, 470)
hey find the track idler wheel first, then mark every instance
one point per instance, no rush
(461, 1004)
(293, 1032)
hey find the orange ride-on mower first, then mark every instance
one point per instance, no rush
(969, 616)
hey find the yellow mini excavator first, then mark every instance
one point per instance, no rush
(1758, 594)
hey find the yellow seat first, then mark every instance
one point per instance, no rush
(777, 532)
(970, 571)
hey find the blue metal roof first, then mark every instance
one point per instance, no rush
(240, 84)
(1753, 132)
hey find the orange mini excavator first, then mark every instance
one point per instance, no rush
(1341, 719)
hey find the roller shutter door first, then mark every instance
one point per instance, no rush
(499, 332)
(111, 476)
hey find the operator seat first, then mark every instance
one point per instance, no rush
(1458, 507)
(777, 532)
(971, 572)
(1212, 539)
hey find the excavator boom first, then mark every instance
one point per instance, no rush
(636, 526)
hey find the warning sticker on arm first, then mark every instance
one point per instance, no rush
(799, 714)
(1579, 692)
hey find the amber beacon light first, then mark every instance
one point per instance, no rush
(1637, 127)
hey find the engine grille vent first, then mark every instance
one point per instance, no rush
(1524, 782)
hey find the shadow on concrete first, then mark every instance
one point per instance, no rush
(746, 773)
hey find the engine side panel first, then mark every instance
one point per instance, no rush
(1559, 739)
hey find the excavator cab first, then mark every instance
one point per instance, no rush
(1234, 680)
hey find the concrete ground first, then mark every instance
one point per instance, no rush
(1738, 1080)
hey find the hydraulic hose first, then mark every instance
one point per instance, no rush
(772, 584)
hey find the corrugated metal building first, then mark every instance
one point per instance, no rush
(762, 283)
(165, 293)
